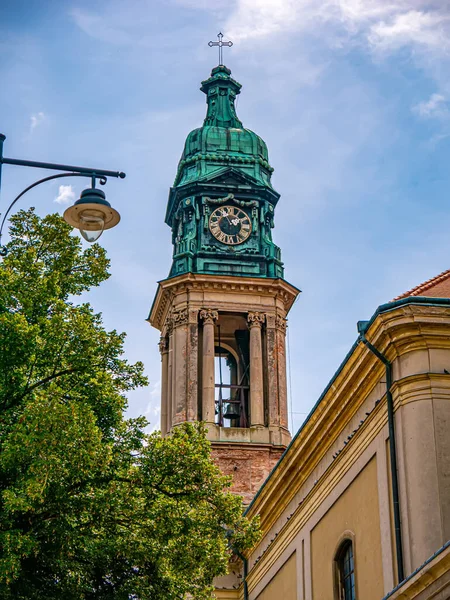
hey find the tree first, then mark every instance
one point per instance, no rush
(90, 505)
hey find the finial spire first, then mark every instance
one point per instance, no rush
(221, 91)
(220, 43)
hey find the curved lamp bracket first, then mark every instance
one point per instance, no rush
(101, 178)
(69, 171)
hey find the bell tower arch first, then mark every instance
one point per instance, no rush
(222, 312)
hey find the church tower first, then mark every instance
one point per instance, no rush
(222, 310)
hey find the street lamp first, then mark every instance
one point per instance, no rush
(91, 214)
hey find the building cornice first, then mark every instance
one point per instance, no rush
(226, 594)
(421, 579)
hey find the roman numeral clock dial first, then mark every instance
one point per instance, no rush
(230, 225)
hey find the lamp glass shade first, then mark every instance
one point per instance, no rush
(91, 225)
(91, 214)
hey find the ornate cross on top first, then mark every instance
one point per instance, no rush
(220, 44)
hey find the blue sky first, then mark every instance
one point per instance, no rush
(351, 96)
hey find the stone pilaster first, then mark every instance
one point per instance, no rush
(164, 349)
(256, 320)
(170, 373)
(272, 371)
(208, 317)
(281, 325)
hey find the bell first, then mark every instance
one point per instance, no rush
(232, 411)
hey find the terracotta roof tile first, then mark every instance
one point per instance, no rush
(436, 287)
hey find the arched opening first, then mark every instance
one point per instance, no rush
(345, 571)
(227, 404)
(231, 376)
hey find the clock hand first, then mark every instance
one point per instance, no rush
(225, 216)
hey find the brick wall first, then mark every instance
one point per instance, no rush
(249, 465)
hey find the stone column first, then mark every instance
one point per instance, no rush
(256, 320)
(281, 324)
(179, 366)
(164, 349)
(208, 384)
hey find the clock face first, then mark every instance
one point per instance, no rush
(230, 225)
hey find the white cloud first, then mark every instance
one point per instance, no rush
(420, 29)
(358, 11)
(65, 195)
(427, 29)
(261, 18)
(436, 106)
(36, 120)
(382, 24)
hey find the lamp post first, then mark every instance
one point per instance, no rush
(91, 214)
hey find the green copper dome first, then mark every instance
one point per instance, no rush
(222, 141)
(222, 186)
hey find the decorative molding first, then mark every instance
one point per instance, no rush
(179, 317)
(276, 322)
(256, 319)
(226, 594)
(168, 326)
(281, 323)
(424, 577)
(207, 315)
(230, 197)
(163, 344)
(219, 200)
(193, 316)
(270, 321)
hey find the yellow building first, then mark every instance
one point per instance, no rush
(357, 504)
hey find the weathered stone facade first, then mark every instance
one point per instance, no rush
(192, 311)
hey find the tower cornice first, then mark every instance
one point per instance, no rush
(188, 283)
